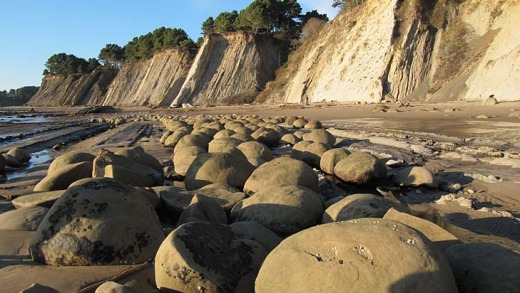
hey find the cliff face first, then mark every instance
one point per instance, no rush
(231, 68)
(420, 50)
(153, 82)
(84, 89)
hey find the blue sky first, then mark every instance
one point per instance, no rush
(33, 30)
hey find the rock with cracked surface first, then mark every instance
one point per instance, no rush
(98, 221)
(364, 255)
(205, 257)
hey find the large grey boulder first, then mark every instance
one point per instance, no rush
(205, 257)
(20, 155)
(363, 255)
(284, 210)
(320, 135)
(228, 168)
(282, 171)
(203, 208)
(64, 175)
(330, 158)
(69, 158)
(360, 168)
(138, 155)
(183, 158)
(99, 221)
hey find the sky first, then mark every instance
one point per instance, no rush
(33, 30)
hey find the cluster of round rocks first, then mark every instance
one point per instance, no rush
(14, 158)
(247, 219)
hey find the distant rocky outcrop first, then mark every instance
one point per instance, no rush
(407, 50)
(232, 69)
(152, 82)
(72, 90)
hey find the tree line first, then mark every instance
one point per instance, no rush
(25, 92)
(259, 17)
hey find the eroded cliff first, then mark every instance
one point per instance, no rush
(153, 82)
(79, 89)
(418, 50)
(231, 69)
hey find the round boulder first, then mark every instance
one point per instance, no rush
(330, 158)
(289, 138)
(360, 168)
(198, 140)
(229, 168)
(484, 267)
(99, 221)
(282, 171)
(64, 175)
(415, 176)
(69, 158)
(203, 208)
(24, 219)
(365, 255)
(138, 155)
(20, 155)
(183, 158)
(313, 124)
(313, 152)
(284, 210)
(223, 145)
(257, 232)
(267, 136)
(223, 194)
(299, 123)
(205, 257)
(256, 152)
(320, 135)
(357, 206)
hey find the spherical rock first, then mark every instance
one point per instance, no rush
(229, 168)
(267, 136)
(289, 121)
(256, 152)
(20, 155)
(11, 161)
(330, 158)
(313, 152)
(69, 158)
(98, 221)
(282, 171)
(289, 138)
(313, 124)
(320, 135)
(415, 176)
(284, 210)
(484, 267)
(360, 168)
(299, 123)
(173, 139)
(205, 257)
(223, 133)
(223, 194)
(364, 255)
(197, 140)
(61, 177)
(223, 145)
(299, 149)
(203, 208)
(183, 158)
(357, 206)
(24, 219)
(173, 125)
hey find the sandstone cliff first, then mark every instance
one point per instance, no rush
(153, 82)
(414, 49)
(231, 68)
(79, 89)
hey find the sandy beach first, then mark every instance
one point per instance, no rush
(473, 151)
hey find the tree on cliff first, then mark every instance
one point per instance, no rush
(111, 56)
(143, 47)
(66, 64)
(208, 26)
(226, 22)
(270, 16)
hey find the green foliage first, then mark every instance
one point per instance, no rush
(67, 64)
(21, 95)
(143, 47)
(111, 56)
(312, 14)
(226, 22)
(208, 26)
